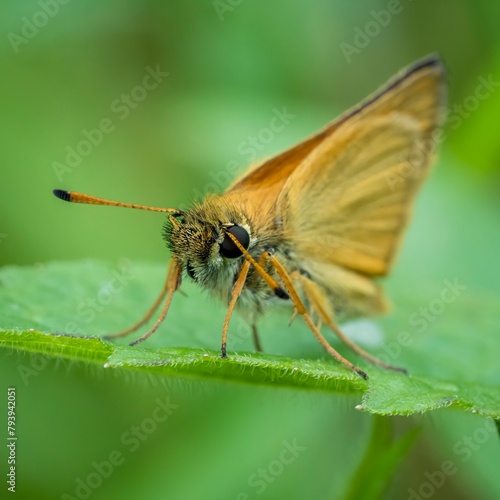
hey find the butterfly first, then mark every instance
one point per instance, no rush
(316, 225)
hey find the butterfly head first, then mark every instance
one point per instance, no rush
(200, 239)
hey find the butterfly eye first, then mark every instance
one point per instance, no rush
(228, 248)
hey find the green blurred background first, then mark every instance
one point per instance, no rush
(230, 65)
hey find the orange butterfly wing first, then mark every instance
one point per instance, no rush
(348, 202)
(417, 88)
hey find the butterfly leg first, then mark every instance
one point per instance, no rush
(292, 294)
(151, 310)
(285, 277)
(256, 340)
(255, 334)
(320, 302)
(238, 286)
(171, 285)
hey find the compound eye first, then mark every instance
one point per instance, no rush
(228, 248)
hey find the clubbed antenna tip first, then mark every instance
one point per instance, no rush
(62, 194)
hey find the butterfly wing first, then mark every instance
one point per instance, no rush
(421, 83)
(346, 205)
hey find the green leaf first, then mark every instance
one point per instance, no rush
(60, 309)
